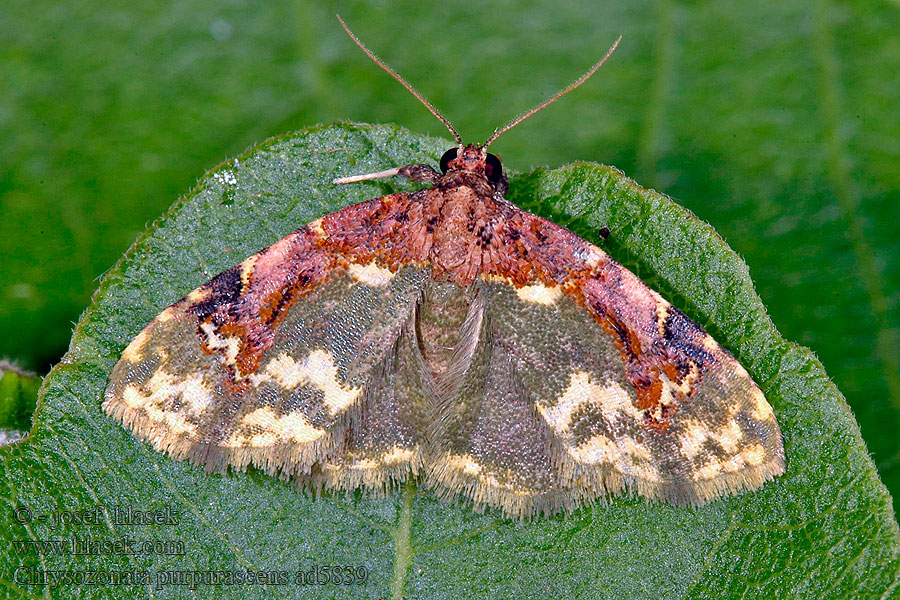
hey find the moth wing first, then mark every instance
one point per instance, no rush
(288, 361)
(489, 442)
(601, 384)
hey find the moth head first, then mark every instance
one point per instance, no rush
(472, 158)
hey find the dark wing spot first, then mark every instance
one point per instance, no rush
(224, 290)
(687, 338)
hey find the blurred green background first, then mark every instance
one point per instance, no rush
(779, 123)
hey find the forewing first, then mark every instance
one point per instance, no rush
(287, 360)
(637, 394)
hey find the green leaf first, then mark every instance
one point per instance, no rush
(823, 530)
(18, 397)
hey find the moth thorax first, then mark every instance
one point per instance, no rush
(462, 233)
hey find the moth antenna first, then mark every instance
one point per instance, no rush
(500, 131)
(402, 81)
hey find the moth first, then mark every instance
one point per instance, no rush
(447, 336)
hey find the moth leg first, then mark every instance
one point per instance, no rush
(416, 172)
(420, 172)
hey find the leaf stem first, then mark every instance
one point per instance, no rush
(402, 545)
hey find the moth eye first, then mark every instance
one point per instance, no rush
(493, 169)
(446, 158)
